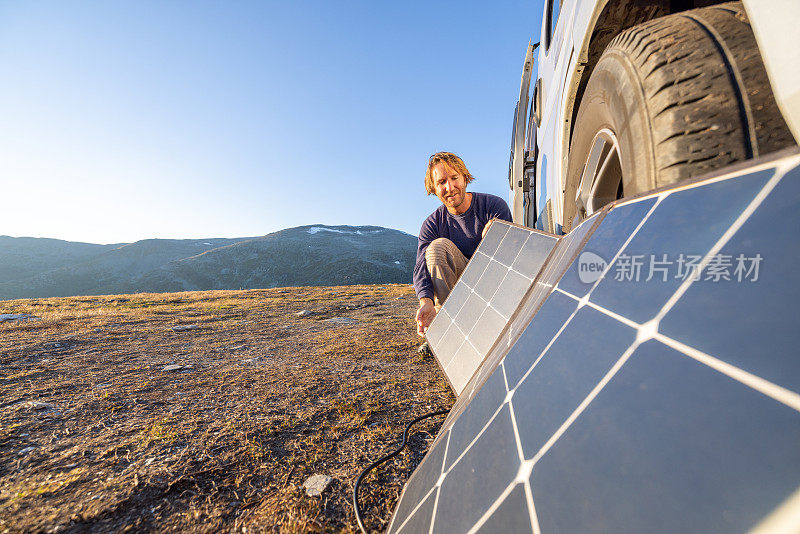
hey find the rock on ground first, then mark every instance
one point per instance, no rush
(183, 328)
(316, 484)
(35, 405)
(16, 317)
(341, 320)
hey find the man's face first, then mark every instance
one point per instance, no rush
(450, 187)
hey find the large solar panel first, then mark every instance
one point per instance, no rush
(665, 403)
(486, 295)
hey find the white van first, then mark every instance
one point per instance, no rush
(632, 95)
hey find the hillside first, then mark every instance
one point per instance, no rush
(207, 411)
(307, 255)
(24, 257)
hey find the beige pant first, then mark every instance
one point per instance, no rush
(445, 264)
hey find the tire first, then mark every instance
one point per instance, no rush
(680, 96)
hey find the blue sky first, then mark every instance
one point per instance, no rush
(129, 120)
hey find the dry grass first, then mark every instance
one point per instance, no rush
(266, 399)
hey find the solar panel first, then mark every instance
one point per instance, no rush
(686, 222)
(553, 269)
(615, 404)
(484, 298)
(760, 343)
(669, 445)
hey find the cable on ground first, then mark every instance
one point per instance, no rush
(388, 457)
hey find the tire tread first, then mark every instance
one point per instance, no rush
(694, 100)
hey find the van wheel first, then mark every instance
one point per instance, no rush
(673, 98)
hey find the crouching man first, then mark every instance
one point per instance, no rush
(450, 235)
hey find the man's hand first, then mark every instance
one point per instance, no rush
(425, 315)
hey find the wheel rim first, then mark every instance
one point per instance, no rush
(602, 175)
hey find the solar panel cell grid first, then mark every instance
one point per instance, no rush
(765, 309)
(511, 245)
(494, 236)
(674, 229)
(485, 297)
(660, 410)
(469, 313)
(461, 366)
(474, 269)
(457, 298)
(633, 467)
(542, 329)
(551, 270)
(530, 255)
(493, 452)
(513, 284)
(562, 376)
(476, 415)
(485, 332)
(607, 241)
(506, 518)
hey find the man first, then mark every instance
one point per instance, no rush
(450, 235)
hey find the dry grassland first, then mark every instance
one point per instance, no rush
(95, 436)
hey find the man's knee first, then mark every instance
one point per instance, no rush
(438, 251)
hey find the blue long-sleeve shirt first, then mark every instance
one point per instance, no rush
(463, 230)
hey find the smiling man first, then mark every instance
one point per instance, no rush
(450, 235)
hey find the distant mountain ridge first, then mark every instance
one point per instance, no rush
(317, 255)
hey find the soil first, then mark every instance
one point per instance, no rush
(96, 436)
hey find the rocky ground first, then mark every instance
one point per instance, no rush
(208, 411)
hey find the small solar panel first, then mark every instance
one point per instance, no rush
(663, 404)
(561, 258)
(483, 300)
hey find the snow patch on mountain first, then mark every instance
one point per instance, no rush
(317, 229)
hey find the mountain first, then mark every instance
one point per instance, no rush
(23, 257)
(315, 255)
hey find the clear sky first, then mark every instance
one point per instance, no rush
(175, 119)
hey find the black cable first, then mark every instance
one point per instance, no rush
(389, 456)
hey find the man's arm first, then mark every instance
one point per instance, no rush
(422, 278)
(423, 286)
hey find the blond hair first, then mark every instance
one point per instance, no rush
(449, 159)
